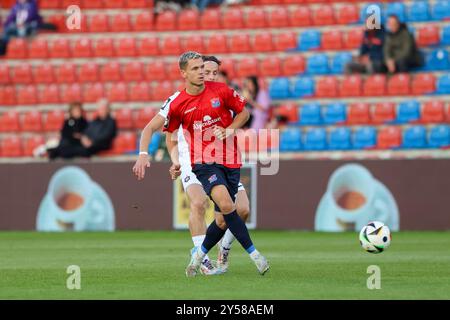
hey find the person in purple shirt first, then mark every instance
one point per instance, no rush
(259, 101)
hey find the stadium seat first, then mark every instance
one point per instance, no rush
(149, 46)
(10, 121)
(389, 138)
(428, 35)
(124, 143)
(163, 90)
(419, 11)
(323, 15)
(256, 18)
(49, 4)
(92, 4)
(375, 85)
(93, 92)
(38, 49)
(144, 21)
(32, 121)
(59, 20)
(347, 14)
(433, 112)
(351, 86)
(285, 41)
(88, 72)
(113, 4)
(443, 84)
(104, 47)
(193, 43)
(309, 40)
(439, 60)
(332, 40)
(7, 95)
(43, 73)
(233, 18)
(279, 17)
(290, 140)
(121, 23)
(60, 48)
(126, 47)
(65, 73)
(423, 83)
(143, 117)
(140, 92)
(110, 72)
(166, 21)
(270, 67)
(414, 137)
(279, 88)
(71, 93)
(82, 48)
(293, 65)
(383, 112)
(49, 94)
(5, 77)
(124, 118)
(339, 139)
(118, 92)
(217, 43)
(11, 146)
(353, 38)
(317, 64)
(441, 10)
(27, 95)
(334, 113)
(439, 137)
(396, 8)
(445, 37)
(315, 139)
(17, 49)
(21, 74)
(98, 23)
(310, 114)
(211, 19)
(304, 87)
(31, 143)
(173, 71)
(188, 20)
(133, 71)
(136, 4)
(327, 87)
(155, 70)
(364, 138)
(300, 17)
(262, 42)
(288, 110)
(339, 62)
(358, 113)
(240, 43)
(247, 67)
(398, 84)
(408, 111)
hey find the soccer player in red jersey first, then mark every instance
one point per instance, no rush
(203, 110)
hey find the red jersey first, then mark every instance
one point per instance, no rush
(198, 115)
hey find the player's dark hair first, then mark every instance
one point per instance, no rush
(212, 59)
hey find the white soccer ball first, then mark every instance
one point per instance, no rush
(375, 237)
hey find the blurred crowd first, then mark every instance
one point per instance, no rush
(178, 5)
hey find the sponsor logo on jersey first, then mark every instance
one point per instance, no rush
(212, 178)
(207, 121)
(186, 180)
(190, 110)
(215, 102)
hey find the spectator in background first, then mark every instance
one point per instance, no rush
(259, 101)
(370, 59)
(202, 4)
(400, 49)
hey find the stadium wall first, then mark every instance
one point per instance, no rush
(287, 200)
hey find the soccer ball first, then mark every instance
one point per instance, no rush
(375, 237)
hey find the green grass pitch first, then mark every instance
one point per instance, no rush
(150, 265)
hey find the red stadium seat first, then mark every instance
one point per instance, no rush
(32, 121)
(270, 67)
(7, 96)
(383, 112)
(67, 3)
(93, 92)
(217, 43)
(54, 120)
(44, 73)
(136, 4)
(375, 85)
(293, 1)
(38, 49)
(351, 86)
(65, 73)
(98, 23)
(124, 118)
(166, 21)
(144, 21)
(256, 18)
(92, 4)
(300, 17)
(433, 112)
(279, 17)
(358, 113)
(126, 47)
(4, 74)
(71, 93)
(140, 92)
(188, 20)
(88, 72)
(22, 74)
(211, 19)
(285, 41)
(423, 83)
(389, 138)
(82, 48)
(133, 71)
(113, 4)
(353, 38)
(59, 20)
(247, 67)
(233, 18)
(398, 84)
(292, 65)
(289, 110)
(49, 4)
(27, 95)
(144, 116)
(347, 14)
(262, 42)
(323, 15)
(193, 43)
(121, 23)
(31, 143)
(163, 90)
(173, 71)
(17, 49)
(125, 142)
(156, 70)
(228, 65)
(428, 35)
(327, 87)
(149, 46)
(118, 92)
(240, 43)
(10, 121)
(111, 71)
(11, 146)
(60, 48)
(332, 40)
(171, 46)
(104, 47)
(49, 94)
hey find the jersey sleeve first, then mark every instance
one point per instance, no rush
(233, 100)
(169, 113)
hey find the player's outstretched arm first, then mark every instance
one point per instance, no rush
(238, 122)
(143, 160)
(172, 148)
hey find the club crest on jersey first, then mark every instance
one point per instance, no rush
(212, 178)
(215, 102)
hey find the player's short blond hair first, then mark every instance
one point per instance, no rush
(185, 57)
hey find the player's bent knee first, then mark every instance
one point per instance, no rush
(226, 207)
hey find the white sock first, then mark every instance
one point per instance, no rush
(198, 240)
(227, 240)
(254, 254)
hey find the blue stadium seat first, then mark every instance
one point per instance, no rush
(445, 38)
(414, 137)
(408, 111)
(310, 114)
(309, 40)
(339, 61)
(304, 87)
(315, 139)
(396, 8)
(439, 136)
(291, 140)
(317, 64)
(335, 113)
(443, 84)
(339, 139)
(365, 138)
(279, 88)
(419, 11)
(438, 60)
(441, 10)
(154, 143)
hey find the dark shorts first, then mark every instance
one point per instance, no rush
(211, 175)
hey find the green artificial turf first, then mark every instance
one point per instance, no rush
(150, 265)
